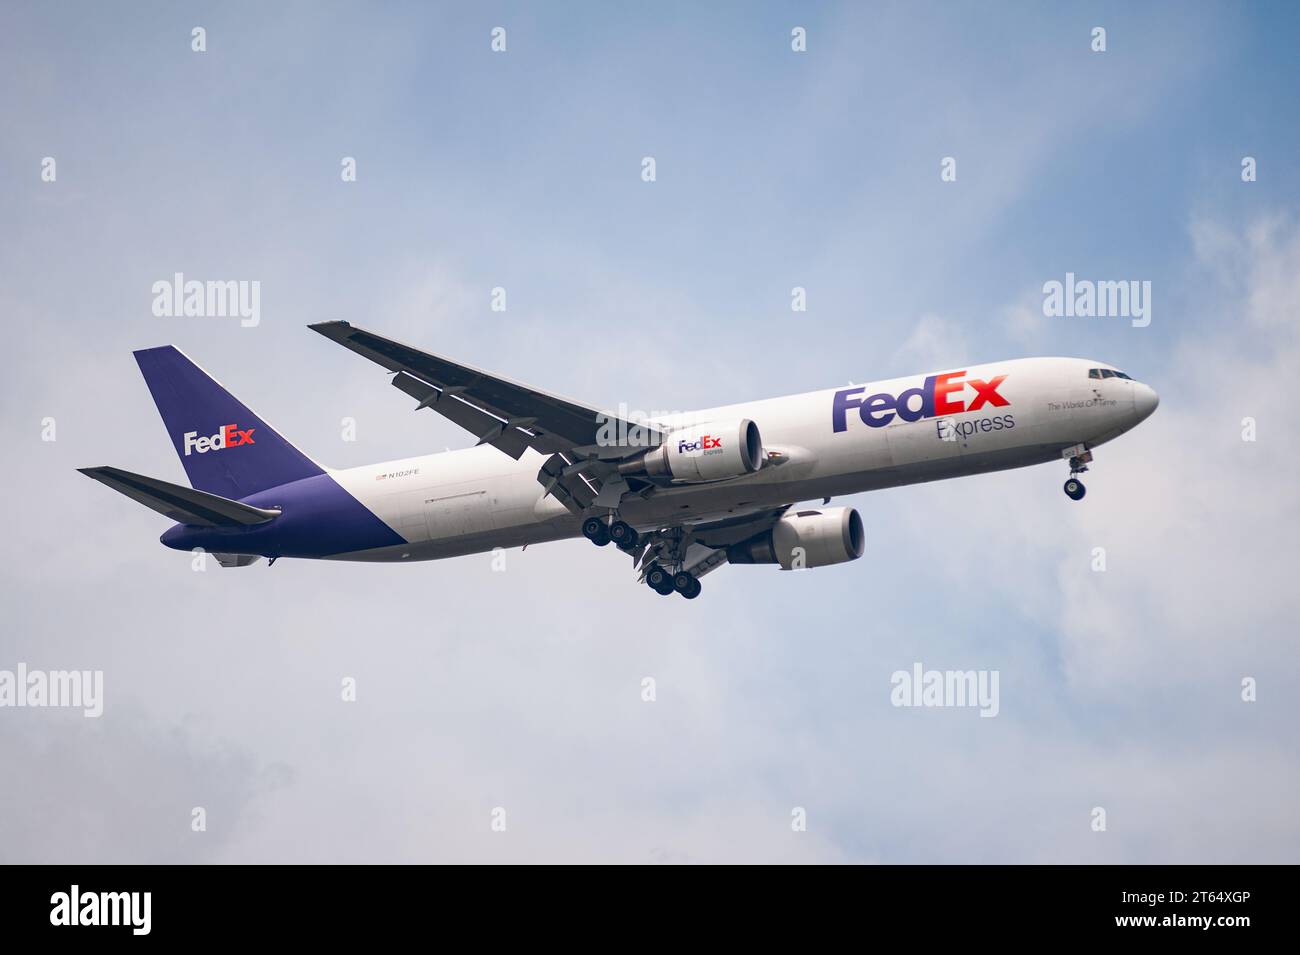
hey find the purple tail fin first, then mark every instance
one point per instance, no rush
(225, 448)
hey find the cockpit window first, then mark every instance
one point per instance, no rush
(1120, 374)
(1094, 372)
(1107, 373)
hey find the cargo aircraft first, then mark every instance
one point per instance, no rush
(682, 495)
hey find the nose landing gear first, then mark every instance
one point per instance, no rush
(1079, 457)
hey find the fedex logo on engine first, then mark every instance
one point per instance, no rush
(228, 436)
(938, 395)
(706, 442)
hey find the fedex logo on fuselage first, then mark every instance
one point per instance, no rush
(228, 436)
(938, 395)
(707, 442)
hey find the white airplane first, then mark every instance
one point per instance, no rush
(682, 495)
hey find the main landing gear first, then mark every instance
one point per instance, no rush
(658, 577)
(601, 532)
(663, 583)
(686, 584)
(1074, 488)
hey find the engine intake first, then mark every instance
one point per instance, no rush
(714, 451)
(801, 539)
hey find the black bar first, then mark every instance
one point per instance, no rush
(962, 903)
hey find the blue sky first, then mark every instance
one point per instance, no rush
(775, 170)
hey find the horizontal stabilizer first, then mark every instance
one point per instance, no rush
(185, 505)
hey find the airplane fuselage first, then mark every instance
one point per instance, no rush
(820, 444)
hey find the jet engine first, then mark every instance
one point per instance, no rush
(801, 539)
(713, 451)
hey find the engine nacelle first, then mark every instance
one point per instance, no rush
(713, 451)
(819, 538)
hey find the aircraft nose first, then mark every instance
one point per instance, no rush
(1145, 400)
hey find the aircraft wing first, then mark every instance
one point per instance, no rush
(500, 412)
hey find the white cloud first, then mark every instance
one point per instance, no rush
(935, 342)
(1200, 540)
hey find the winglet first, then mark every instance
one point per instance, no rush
(336, 330)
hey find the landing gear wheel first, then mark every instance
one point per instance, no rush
(623, 535)
(594, 529)
(682, 581)
(694, 590)
(1075, 490)
(659, 580)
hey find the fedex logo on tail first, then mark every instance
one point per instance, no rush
(938, 395)
(228, 436)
